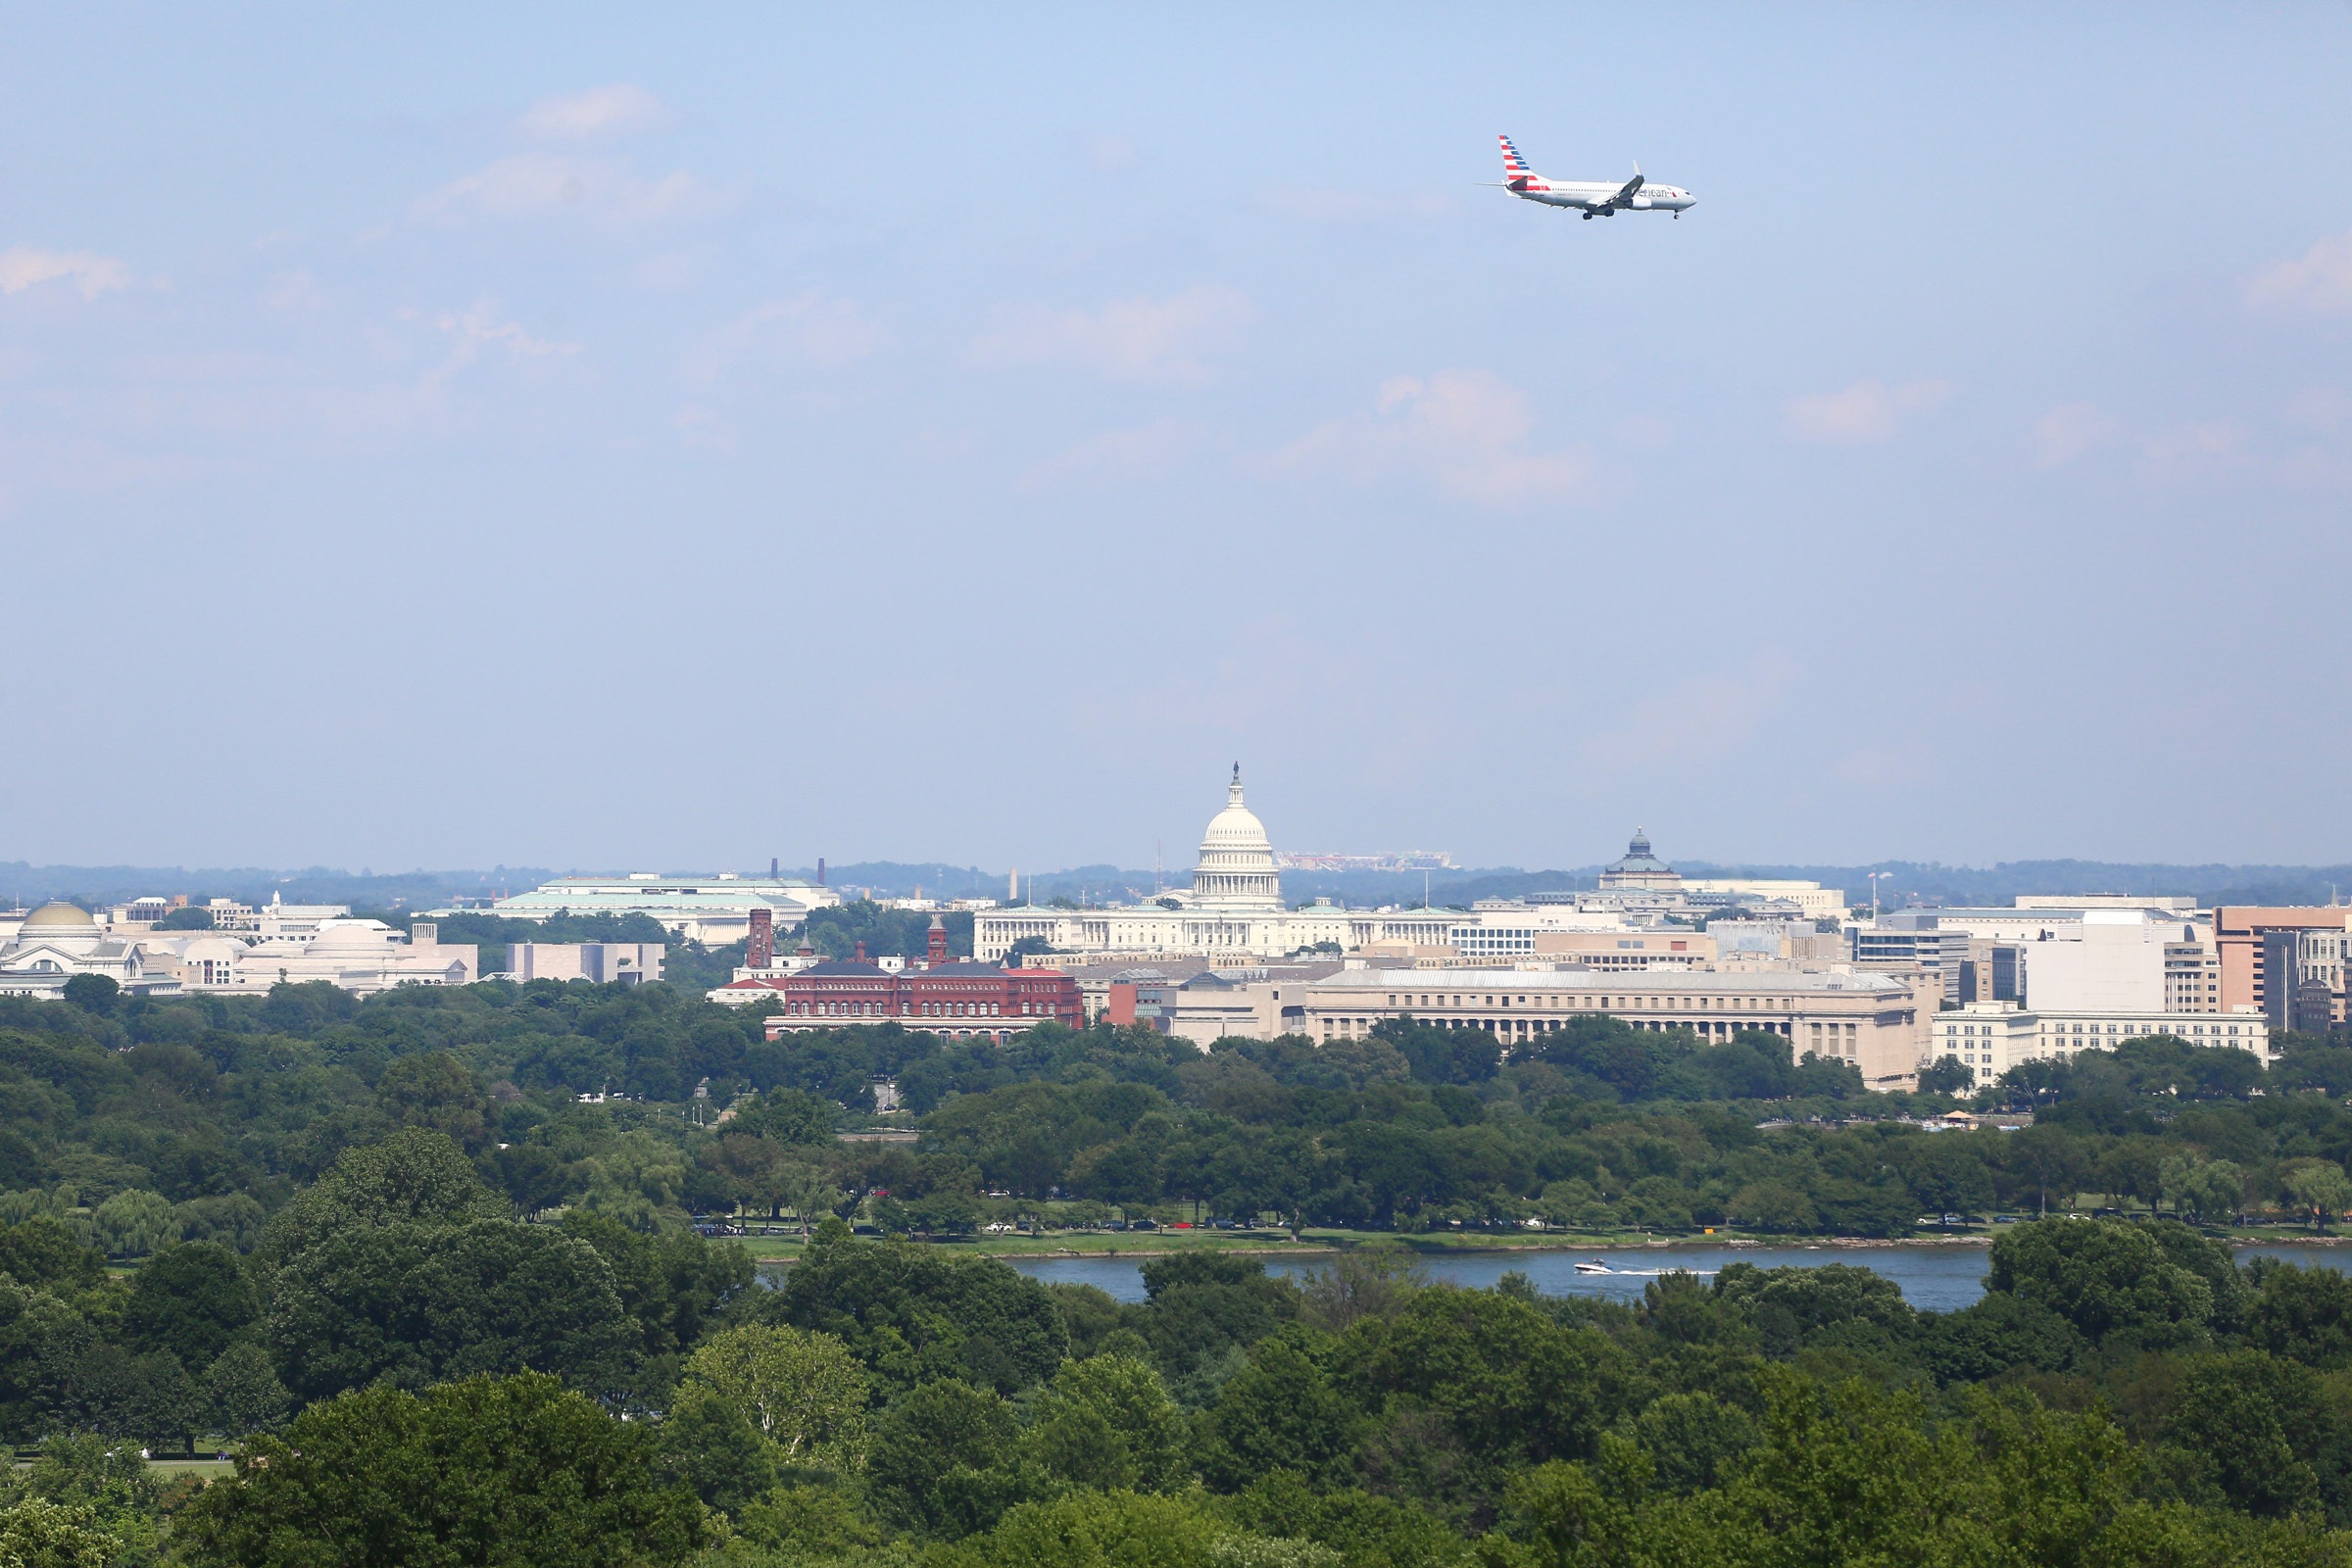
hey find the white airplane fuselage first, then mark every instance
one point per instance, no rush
(1599, 198)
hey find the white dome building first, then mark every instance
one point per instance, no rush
(1233, 912)
(58, 941)
(1236, 859)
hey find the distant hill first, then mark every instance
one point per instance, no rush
(1908, 882)
(96, 885)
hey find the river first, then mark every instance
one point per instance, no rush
(1933, 1278)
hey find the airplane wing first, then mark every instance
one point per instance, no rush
(1625, 194)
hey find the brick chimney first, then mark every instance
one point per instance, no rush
(860, 952)
(938, 955)
(761, 952)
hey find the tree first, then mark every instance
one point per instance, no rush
(2211, 1191)
(933, 1463)
(133, 1223)
(38, 1533)
(2320, 1187)
(803, 1390)
(2250, 1425)
(1946, 1076)
(416, 1176)
(534, 1178)
(242, 1394)
(417, 1303)
(1100, 1529)
(44, 1251)
(912, 1315)
(673, 1284)
(788, 1116)
(1107, 1423)
(92, 993)
(187, 918)
(512, 1471)
(166, 1408)
(436, 1091)
(2047, 1157)
(2103, 1278)
(808, 1189)
(192, 1300)
(1281, 1412)
(710, 1444)
(750, 1167)
(1492, 1381)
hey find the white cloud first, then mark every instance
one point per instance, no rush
(1465, 431)
(479, 328)
(598, 112)
(21, 267)
(1119, 455)
(811, 328)
(2065, 433)
(1139, 339)
(1311, 206)
(1698, 720)
(2319, 281)
(1867, 410)
(535, 185)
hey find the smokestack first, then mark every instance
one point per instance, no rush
(860, 952)
(760, 951)
(772, 868)
(820, 870)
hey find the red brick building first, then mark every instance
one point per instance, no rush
(943, 997)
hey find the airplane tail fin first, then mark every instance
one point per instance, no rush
(1514, 167)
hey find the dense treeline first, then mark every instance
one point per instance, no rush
(2123, 1394)
(390, 1227)
(1603, 1128)
(140, 1122)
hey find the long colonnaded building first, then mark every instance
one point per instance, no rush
(1874, 1022)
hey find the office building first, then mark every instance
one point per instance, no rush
(626, 963)
(2112, 960)
(1988, 1037)
(1913, 941)
(2263, 962)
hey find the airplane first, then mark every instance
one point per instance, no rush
(1597, 200)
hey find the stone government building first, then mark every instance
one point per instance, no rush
(1233, 910)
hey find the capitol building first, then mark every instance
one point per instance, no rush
(1234, 909)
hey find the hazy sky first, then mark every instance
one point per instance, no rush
(676, 436)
